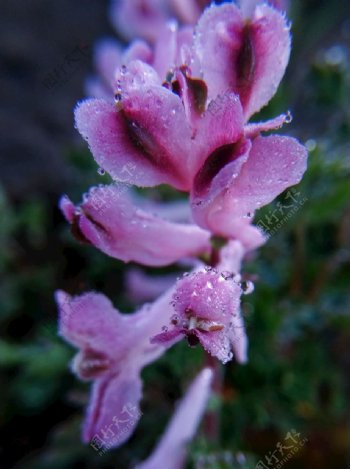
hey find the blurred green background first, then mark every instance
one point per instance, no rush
(298, 318)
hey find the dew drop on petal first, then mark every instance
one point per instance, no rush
(289, 117)
(247, 287)
(227, 275)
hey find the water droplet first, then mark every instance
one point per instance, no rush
(101, 171)
(289, 117)
(247, 287)
(175, 319)
(227, 275)
(336, 55)
(311, 144)
(164, 329)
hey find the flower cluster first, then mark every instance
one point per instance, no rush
(176, 111)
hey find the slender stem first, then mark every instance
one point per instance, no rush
(212, 417)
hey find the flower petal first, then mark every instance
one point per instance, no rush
(108, 219)
(171, 449)
(187, 10)
(139, 144)
(114, 410)
(90, 322)
(142, 287)
(274, 163)
(140, 18)
(250, 57)
(217, 344)
(107, 59)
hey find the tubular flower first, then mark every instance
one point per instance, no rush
(114, 348)
(207, 310)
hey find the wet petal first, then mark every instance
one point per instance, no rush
(107, 59)
(139, 143)
(109, 220)
(171, 449)
(274, 163)
(90, 322)
(140, 18)
(216, 344)
(114, 411)
(143, 287)
(250, 57)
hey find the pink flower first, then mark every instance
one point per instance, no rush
(110, 220)
(171, 449)
(144, 18)
(114, 348)
(207, 310)
(228, 169)
(171, 48)
(251, 54)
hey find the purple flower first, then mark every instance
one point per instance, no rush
(113, 349)
(144, 18)
(110, 220)
(207, 306)
(169, 51)
(207, 309)
(171, 449)
(229, 171)
(251, 54)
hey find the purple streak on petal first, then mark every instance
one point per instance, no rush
(250, 57)
(172, 448)
(219, 136)
(110, 221)
(168, 337)
(117, 346)
(106, 411)
(143, 135)
(273, 164)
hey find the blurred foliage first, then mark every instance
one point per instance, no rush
(298, 318)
